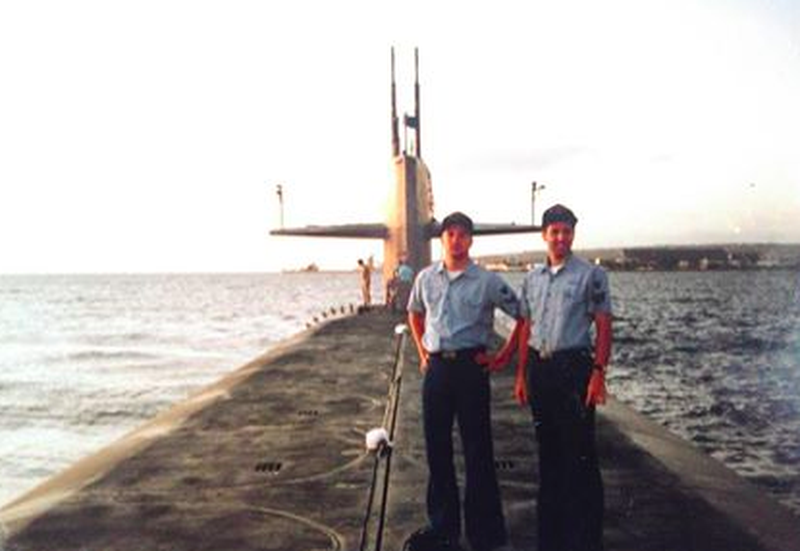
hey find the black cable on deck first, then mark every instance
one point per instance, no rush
(384, 451)
(365, 524)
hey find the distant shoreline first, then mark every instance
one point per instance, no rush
(667, 258)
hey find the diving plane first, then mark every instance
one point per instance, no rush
(410, 223)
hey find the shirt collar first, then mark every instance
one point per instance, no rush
(470, 270)
(545, 266)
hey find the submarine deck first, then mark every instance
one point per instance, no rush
(273, 457)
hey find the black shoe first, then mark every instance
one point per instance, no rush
(427, 539)
(495, 547)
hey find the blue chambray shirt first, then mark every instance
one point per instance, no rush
(562, 306)
(460, 313)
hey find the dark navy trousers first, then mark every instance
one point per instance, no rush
(570, 503)
(458, 389)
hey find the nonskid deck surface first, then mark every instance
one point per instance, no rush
(273, 457)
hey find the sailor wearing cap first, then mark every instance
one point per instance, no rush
(451, 315)
(561, 372)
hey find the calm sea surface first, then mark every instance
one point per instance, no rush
(84, 359)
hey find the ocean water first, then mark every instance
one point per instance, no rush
(714, 356)
(87, 358)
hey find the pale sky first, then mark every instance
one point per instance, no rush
(150, 135)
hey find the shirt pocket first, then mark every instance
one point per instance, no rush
(471, 306)
(433, 296)
(571, 298)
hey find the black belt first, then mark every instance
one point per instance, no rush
(460, 354)
(560, 355)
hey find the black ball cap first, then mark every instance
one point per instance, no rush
(558, 213)
(457, 219)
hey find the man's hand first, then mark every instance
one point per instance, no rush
(498, 360)
(492, 362)
(416, 321)
(596, 392)
(520, 391)
(424, 360)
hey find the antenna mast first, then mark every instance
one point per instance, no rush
(416, 103)
(395, 132)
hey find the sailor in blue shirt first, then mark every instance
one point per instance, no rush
(451, 314)
(564, 302)
(561, 371)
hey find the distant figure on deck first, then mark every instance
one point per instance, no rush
(391, 286)
(405, 278)
(561, 372)
(398, 288)
(365, 275)
(451, 314)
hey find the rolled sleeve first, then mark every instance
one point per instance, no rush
(599, 297)
(504, 297)
(415, 303)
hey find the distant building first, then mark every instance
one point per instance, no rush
(676, 258)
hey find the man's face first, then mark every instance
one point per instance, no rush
(558, 236)
(456, 242)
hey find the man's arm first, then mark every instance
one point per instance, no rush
(416, 320)
(602, 345)
(498, 360)
(503, 297)
(521, 381)
(596, 393)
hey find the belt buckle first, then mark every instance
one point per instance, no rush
(545, 354)
(449, 354)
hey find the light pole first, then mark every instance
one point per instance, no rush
(534, 189)
(279, 192)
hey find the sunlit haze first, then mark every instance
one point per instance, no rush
(150, 136)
